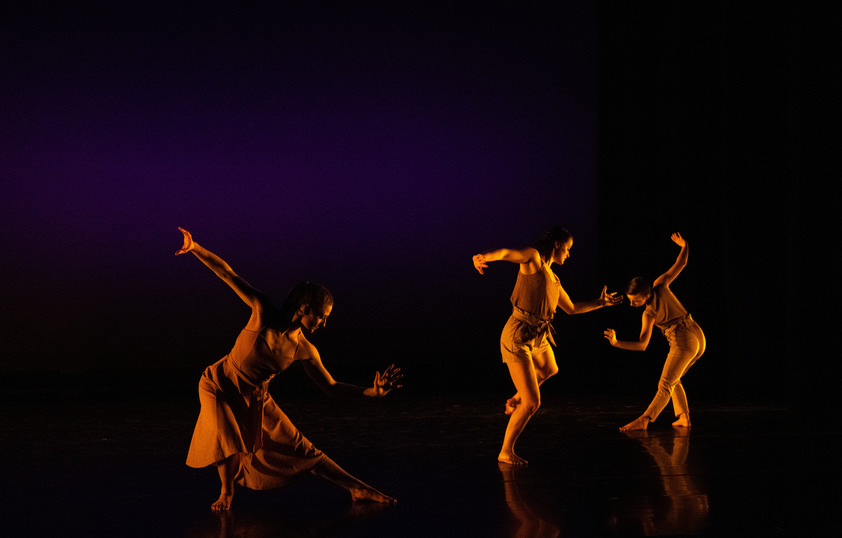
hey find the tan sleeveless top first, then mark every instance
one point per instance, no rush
(254, 359)
(537, 293)
(665, 308)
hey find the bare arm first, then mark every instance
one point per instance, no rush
(252, 297)
(383, 383)
(641, 344)
(528, 258)
(680, 262)
(580, 307)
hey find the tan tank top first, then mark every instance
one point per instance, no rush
(253, 357)
(537, 293)
(664, 307)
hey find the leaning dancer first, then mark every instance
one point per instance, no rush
(685, 337)
(525, 342)
(241, 430)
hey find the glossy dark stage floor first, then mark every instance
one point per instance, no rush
(113, 466)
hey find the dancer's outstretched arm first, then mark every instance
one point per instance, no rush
(646, 324)
(255, 299)
(580, 307)
(527, 257)
(382, 385)
(680, 262)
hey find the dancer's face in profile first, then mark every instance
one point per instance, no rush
(638, 299)
(316, 317)
(562, 251)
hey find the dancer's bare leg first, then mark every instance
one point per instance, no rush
(640, 423)
(545, 368)
(525, 380)
(359, 490)
(227, 469)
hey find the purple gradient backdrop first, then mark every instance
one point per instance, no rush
(373, 149)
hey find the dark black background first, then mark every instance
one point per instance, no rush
(377, 148)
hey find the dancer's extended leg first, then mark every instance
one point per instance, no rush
(359, 490)
(685, 350)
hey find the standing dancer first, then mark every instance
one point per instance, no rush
(525, 342)
(241, 430)
(685, 337)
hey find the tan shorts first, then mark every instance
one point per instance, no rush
(520, 341)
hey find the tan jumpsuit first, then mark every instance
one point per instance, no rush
(687, 344)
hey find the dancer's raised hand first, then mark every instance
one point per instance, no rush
(678, 240)
(480, 263)
(188, 242)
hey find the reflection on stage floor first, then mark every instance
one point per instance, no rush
(115, 467)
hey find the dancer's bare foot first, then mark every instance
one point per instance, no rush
(369, 494)
(223, 503)
(511, 458)
(682, 422)
(640, 423)
(511, 405)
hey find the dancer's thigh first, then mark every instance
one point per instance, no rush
(544, 361)
(684, 350)
(525, 379)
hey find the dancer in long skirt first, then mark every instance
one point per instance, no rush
(241, 430)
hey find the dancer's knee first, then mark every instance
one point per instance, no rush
(547, 373)
(550, 371)
(666, 386)
(530, 405)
